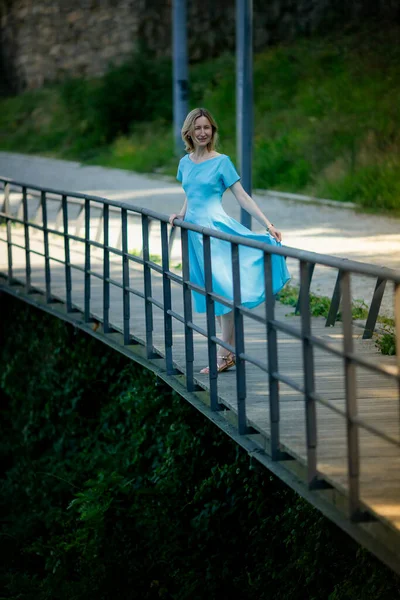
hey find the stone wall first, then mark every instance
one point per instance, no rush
(46, 40)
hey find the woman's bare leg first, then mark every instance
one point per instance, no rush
(227, 327)
(228, 330)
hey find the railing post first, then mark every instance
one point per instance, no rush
(43, 202)
(211, 330)
(68, 280)
(308, 369)
(106, 271)
(27, 241)
(167, 300)
(353, 458)
(310, 272)
(239, 343)
(87, 260)
(272, 347)
(8, 228)
(335, 303)
(148, 307)
(125, 276)
(187, 311)
(374, 308)
(172, 237)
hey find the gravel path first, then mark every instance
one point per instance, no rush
(338, 231)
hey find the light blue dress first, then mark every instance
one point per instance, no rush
(204, 183)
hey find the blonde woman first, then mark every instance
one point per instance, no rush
(205, 175)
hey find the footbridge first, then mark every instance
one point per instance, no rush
(311, 399)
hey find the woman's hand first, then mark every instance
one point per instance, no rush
(275, 233)
(173, 217)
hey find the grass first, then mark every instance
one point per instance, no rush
(385, 339)
(319, 305)
(326, 122)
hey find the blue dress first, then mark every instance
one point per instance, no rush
(204, 183)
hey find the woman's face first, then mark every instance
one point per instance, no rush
(202, 132)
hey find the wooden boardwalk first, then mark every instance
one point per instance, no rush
(378, 396)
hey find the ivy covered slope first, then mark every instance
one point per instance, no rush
(327, 119)
(113, 487)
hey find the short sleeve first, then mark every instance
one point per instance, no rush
(229, 174)
(179, 173)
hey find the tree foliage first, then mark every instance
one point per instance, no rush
(113, 487)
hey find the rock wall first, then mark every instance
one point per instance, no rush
(46, 40)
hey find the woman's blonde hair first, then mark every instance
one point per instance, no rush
(188, 129)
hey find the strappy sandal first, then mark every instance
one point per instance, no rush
(227, 362)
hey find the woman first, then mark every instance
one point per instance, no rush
(205, 175)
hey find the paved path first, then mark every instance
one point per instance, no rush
(338, 231)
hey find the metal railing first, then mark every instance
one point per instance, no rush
(272, 325)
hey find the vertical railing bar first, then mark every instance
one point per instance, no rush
(272, 350)
(68, 280)
(125, 275)
(239, 342)
(148, 306)
(310, 272)
(3, 206)
(87, 260)
(308, 372)
(335, 303)
(43, 202)
(211, 329)
(172, 237)
(167, 302)
(187, 311)
(106, 271)
(27, 241)
(374, 308)
(353, 458)
(8, 228)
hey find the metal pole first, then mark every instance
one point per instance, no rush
(180, 69)
(244, 96)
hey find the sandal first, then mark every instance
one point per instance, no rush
(223, 363)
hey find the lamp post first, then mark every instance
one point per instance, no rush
(180, 70)
(244, 96)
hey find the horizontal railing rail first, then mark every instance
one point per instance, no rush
(79, 199)
(272, 325)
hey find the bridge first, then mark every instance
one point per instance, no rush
(311, 399)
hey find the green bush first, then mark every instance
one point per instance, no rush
(138, 90)
(373, 186)
(113, 487)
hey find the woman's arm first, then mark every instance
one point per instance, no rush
(248, 204)
(180, 215)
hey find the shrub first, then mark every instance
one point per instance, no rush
(135, 91)
(115, 487)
